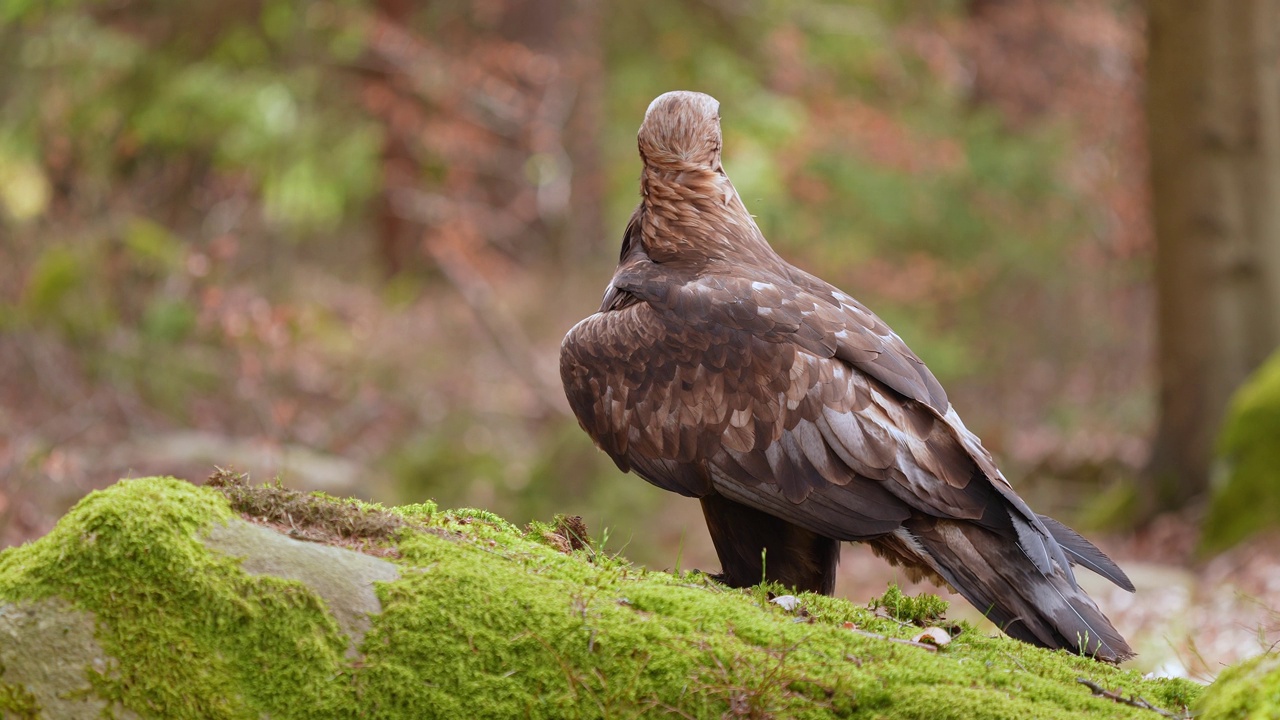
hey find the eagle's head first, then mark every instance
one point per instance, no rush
(681, 132)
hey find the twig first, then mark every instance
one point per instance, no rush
(926, 646)
(880, 613)
(1017, 662)
(1132, 700)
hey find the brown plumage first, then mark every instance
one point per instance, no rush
(716, 370)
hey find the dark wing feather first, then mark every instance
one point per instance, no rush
(862, 446)
(988, 571)
(870, 345)
(1083, 552)
(814, 316)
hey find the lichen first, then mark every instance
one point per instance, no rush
(486, 620)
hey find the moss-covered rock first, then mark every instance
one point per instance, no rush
(171, 606)
(1249, 691)
(1247, 497)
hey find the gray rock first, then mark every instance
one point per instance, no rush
(47, 647)
(342, 578)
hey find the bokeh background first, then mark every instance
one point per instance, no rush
(338, 243)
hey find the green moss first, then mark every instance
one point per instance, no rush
(16, 701)
(1245, 692)
(420, 512)
(192, 634)
(485, 620)
(466, 516)
(921, 610)
(1248, 499)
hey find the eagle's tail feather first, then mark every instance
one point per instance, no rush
(998, 578)
(1082, 552)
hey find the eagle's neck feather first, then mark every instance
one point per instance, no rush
(696, 216)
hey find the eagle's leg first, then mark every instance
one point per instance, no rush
(746, 538)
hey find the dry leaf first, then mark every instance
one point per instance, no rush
(933, 636)
(786, 602)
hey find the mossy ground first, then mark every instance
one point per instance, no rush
(1248, 498)
(487, 620)
(1247, 691)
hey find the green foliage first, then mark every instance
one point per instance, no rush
(1247, 498)
(65, 291)
(485, 621)
(168, 321)
(133, 325)
(56, 274)
(132, 141)
(248, 93)
(921, 609)
(152, 248)
(24, 188)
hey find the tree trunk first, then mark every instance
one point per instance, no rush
(1213, 113)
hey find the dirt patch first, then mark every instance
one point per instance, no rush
(565, 533)
(311, 516)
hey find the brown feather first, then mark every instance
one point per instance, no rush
(716, 370)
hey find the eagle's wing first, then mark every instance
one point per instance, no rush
(801, 405)
(696, 407)
(802, 309)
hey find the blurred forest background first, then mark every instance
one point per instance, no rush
(340, 241)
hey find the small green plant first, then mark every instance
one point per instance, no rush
(920, 610)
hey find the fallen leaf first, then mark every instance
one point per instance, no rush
(933, 636)
(786, 602)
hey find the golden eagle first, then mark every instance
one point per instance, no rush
(717, 370)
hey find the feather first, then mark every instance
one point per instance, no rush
(1083, 552)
